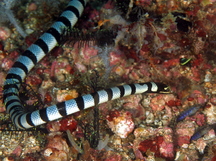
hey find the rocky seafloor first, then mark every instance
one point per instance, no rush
(116, 42)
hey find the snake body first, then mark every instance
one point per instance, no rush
(35, 53)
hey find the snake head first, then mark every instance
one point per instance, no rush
(162, 88)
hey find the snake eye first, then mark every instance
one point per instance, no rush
(167, 89)
(164, 89)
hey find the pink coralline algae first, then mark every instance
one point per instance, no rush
(210, 113)
(132, 104)
(158, 103)
(32, 7)
(113, 157)
(199, 119)
(17, 151)
(87, 53)
(60, 68)
(183, 140)
(167, 149)
(5, 33)
(117, 58)
(7, 64)
(121, 123)
(199, 96)
(151, 38)
(56, 149)
(184, 132)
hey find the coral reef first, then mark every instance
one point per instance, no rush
(166, 41)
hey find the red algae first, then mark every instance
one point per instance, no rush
(33, 80)
(47, 98)
(113, 114)
(67, 124)
(30, 39)
(158, 147)
(63, 125)
(173, 103)
(152, 145)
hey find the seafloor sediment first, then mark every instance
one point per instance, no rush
(116, 42)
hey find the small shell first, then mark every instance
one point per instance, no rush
(48, 152)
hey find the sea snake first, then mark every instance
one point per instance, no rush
(35, 53)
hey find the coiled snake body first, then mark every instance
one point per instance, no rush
(35, 53)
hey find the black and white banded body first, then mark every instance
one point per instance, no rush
(35, 53)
